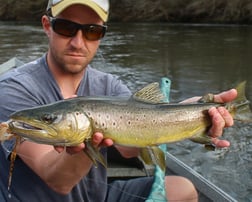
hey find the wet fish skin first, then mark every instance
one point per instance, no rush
(126, 121)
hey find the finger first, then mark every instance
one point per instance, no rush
(75, 149)
(59, 149)
(191, 100)
(228, 119)
(218, 123)
(107, 143)
(225, 96)
(97, 139)
(220, 143)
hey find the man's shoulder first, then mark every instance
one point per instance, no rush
(24, 71)
(24, 83)
(102, 83)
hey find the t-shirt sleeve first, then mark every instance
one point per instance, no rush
(14, 97)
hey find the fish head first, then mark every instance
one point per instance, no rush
(55, 124)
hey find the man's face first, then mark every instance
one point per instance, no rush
(73, 54)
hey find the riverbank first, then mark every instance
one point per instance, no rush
(178, 11)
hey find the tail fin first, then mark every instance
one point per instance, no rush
(242, 111)
(4, 132)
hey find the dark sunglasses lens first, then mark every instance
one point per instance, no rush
(67, 28)
(64, 27)
(94, 32)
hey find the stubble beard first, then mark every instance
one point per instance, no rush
(68, 67)
(71, 68)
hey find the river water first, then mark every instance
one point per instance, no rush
(197, 58)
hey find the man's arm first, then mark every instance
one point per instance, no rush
(61, 169)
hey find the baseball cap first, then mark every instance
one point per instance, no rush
(101, 7)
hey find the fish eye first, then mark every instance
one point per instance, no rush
(167, 81)
(48, 118)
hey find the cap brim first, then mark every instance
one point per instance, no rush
(58, 8)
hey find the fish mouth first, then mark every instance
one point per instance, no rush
(35, 132)
(23, 126)
(39, 133)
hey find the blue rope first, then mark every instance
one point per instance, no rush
(158, 192)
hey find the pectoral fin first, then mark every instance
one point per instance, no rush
(203, 138)
(153, 156)
(94, 154)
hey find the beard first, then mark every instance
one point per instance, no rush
(69, 61)
(71, 68)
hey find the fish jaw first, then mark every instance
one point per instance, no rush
(64, 129)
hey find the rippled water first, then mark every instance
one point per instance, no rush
(198, 59)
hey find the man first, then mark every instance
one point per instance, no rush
(46, 173)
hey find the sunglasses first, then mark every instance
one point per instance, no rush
(91, 32)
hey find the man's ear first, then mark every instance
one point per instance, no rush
(46, 24)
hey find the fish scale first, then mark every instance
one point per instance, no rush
(130, 122)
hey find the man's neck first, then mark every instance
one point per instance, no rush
(68, 84)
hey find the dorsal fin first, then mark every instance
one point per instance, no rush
(157, 92)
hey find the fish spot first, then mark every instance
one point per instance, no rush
(129, 122)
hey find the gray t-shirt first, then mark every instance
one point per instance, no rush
(33, 85)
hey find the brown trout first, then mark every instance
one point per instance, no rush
(129, 122)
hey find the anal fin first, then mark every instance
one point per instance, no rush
(153, 156)
(94, 154)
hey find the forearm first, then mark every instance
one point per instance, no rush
(64, 171)
(60, 171)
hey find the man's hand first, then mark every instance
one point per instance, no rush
(97, 141)
(221, 118)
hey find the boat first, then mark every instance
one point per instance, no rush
(125, 169)
(207, 191)
(10, 64)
